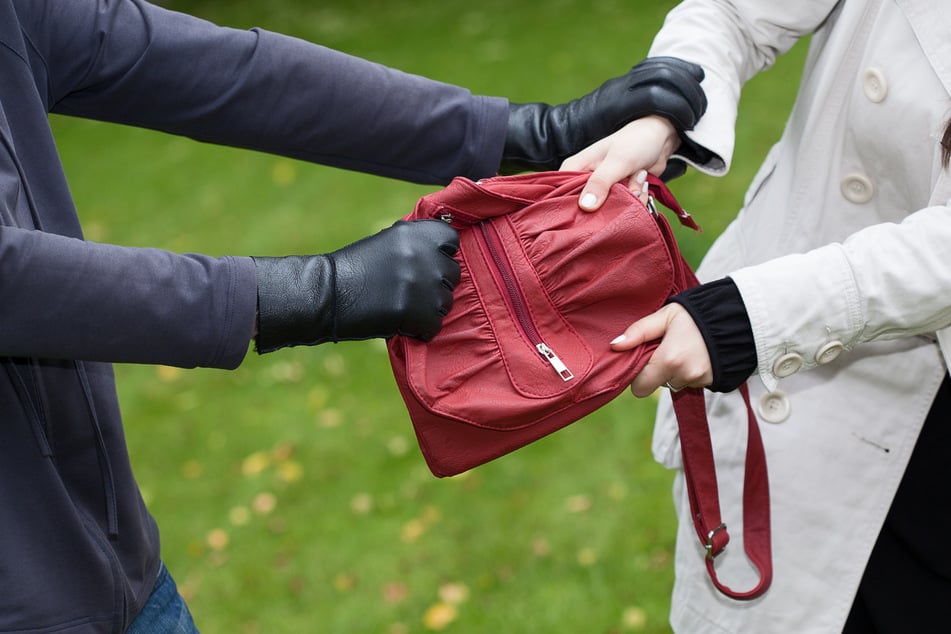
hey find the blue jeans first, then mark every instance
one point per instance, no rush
(165, 612)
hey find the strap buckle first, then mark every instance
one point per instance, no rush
(709, 544)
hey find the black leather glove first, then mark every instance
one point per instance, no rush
(398, 281)
(541, 136)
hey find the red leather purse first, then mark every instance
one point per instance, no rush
(525, 349)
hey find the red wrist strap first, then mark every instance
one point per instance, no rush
(701, 480)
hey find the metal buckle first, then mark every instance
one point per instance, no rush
(709, 544)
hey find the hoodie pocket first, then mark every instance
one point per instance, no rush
(28, 401)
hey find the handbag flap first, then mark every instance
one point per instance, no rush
(473, 201)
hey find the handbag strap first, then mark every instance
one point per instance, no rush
(700, 475)
(659, 190)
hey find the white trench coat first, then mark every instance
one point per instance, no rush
(842, 254)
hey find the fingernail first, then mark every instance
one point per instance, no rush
(589, 200)
(642, 176)
(618, 339)
(645, 188)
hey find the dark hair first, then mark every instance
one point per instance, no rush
(946, 145)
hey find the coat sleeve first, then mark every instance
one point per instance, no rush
(732, 40)
(886, 281)
(66, 298)
(131, 62)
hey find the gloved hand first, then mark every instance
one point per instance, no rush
(541, 136)
(398, 281)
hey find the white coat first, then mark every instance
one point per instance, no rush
(842, 254)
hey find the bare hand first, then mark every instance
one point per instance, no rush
(681, 360)
(643, 144)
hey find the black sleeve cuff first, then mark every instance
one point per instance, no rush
(719, 312)
(688, 149)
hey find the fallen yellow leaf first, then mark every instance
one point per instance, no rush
(284, 173)
(239, 515)
(344, 582)
(634, 618)
(439, 615)
(587, 557)
(167, 373)
(264, 503)
(453, 593)
(255, 463)
(290, 471)
(412, 530)
(217, 539)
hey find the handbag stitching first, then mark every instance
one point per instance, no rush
(613, 387)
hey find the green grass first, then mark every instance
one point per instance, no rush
(291, 494)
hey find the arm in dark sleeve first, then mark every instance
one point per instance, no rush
(131, 62)
(718, 310)
(64, 298)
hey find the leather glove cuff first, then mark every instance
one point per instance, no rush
(296, 301)
(541, 137)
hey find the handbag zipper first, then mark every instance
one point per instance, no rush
(519, 306)
(517, 300)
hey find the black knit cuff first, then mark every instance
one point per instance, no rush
(719, 312)
(677, 166)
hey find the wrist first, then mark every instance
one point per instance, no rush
(665, 132)
(717, 309)
(541, 136)
(296, 301)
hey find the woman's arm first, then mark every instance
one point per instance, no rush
(731, 41)
(884, 282)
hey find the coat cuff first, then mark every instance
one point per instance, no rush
(718, 310)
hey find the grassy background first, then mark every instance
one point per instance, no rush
(291, 493)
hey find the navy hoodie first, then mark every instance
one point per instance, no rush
(79, 551)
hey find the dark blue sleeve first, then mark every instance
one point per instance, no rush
(65, 298)
(131, 62)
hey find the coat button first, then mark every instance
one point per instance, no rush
(857, 188)
(829, 352)
(874, 85)
(787, 365)
(774, 407)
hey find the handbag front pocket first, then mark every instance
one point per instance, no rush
(502, 327)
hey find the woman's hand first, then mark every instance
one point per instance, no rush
(643, 144)
(681, 360)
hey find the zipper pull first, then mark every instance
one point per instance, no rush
(444, 214)
(651, 205)
(555, 362)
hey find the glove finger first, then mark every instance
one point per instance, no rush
(440, 233)
(446, 301)
(450, 249)
(428, 329)
(451, 274)
(695, 70)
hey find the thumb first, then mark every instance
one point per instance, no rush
(611, 170)
(648, 328)
(596, 189)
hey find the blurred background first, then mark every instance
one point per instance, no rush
(291, 493)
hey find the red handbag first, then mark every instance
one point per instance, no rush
(525, 349)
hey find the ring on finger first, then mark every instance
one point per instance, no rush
(672, 388)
